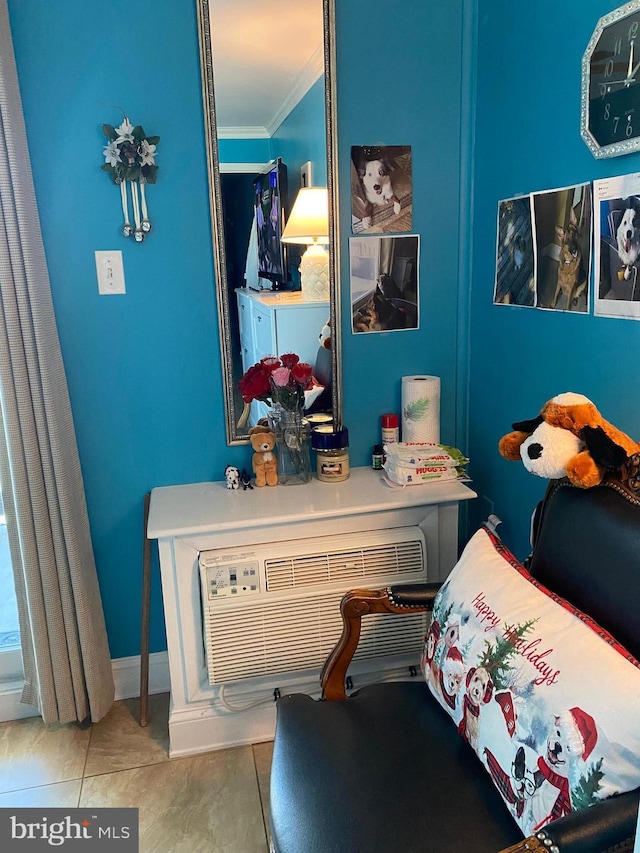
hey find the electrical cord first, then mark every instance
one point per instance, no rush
(363, 682)
(238, 709)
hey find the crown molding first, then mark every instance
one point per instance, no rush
(313, 70)
(230, 132)
(243, 168)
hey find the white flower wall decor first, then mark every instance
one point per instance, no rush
(130, 160)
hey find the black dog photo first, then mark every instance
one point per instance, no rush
(384, 283)
(381, 194)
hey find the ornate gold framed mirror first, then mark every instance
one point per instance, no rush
(229, 32)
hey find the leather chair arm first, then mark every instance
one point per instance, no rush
(414, 595)
(606, 827)
(356, 604)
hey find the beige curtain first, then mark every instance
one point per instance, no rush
(64, 643)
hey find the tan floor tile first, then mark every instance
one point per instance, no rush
(118, 742)
(189, 805)
(263, 753)
(32, 754)
(63, 795)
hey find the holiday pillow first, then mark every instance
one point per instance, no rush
(546, 698)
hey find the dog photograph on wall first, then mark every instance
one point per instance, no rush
(515, 257)
(381, 189)
(562, 228)
(384, 283)
(617, 247)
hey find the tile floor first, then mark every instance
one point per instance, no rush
(216, 802)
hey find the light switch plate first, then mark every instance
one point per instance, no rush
(110, 271)
(306, 174)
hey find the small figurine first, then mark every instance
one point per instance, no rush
(245, 480)
(232, 476)
(264, 462)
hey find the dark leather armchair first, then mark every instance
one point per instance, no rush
(385, 768)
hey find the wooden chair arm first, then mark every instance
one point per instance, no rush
(527, 845)
(354, 605)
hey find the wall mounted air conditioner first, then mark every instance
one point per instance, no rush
(274, 609)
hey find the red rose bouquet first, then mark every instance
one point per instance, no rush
(277, 382)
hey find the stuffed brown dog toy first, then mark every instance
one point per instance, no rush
(569, 438)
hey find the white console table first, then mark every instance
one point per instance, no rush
(189, 519)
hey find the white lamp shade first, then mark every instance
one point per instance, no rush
(309, 220)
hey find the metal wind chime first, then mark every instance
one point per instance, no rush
(130, 161)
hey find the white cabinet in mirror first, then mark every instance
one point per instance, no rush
(278, 323)
(256, 169)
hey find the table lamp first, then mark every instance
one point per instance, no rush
(309, 223)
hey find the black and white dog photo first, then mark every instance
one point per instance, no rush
(628, 237)
(379, 183)
(376, 180)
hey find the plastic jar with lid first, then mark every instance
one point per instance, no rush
(332, 448)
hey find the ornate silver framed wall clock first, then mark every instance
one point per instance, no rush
(610, 113)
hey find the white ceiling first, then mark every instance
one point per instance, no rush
(266, 56)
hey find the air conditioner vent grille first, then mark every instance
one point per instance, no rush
(288, 636)
(392, 559)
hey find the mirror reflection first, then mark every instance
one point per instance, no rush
(267, 118)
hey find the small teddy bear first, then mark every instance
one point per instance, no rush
(264, 462)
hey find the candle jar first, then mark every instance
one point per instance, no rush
(332, 453)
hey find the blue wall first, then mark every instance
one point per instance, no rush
(392, 99)
(528, 138)
(302, 136)
(144, 369)
(244, 150)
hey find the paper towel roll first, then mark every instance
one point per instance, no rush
(421, 408)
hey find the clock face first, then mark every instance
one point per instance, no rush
(611, 84)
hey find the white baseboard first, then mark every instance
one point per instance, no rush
(126, 677)
(11, 708)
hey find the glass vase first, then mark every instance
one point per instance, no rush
(292, 446)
